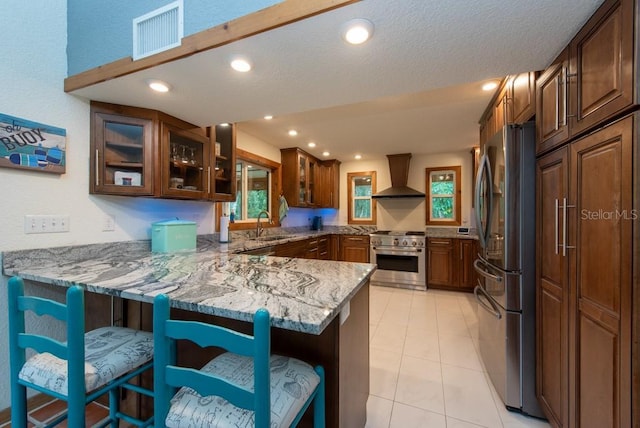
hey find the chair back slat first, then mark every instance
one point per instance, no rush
(41, 343)
(258, 346)
(205, 335)
(208, 384)
(41, 306)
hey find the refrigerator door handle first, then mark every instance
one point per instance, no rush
(484, 273)
(490, 306)
(484, 170)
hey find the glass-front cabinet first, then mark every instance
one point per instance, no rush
(185, 164)
(122, 155)
(143, 152)
(223, 138)
(308, 182)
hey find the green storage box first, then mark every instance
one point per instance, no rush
(173, 235)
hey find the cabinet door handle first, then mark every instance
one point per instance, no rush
(565, 95)
(209, 180)
(556, 229)
(440, 242)
(564, 227)
(97, 167)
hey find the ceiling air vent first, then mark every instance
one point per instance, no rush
(158, 31)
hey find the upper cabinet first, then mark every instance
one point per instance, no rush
(552, 125)
(223, 177)
(122, 152)
(142, 152)
(592, 80)
(308, 182)
(329, 184)
(514, 102)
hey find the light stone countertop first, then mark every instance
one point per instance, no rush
(301, 295)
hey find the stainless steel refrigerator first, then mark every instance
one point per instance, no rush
(505, 218)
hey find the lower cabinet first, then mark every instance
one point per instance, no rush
(354, 248)
(450, 263)
(348, 248)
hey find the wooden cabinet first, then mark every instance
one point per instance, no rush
(184, 161)
(297, 249)
(601, 66)
(552, 126)
(324, 247)
(122, 151)
(514, 102)
(552, 279)
(522, 89)
(142, 152)
(328, 190)
(308, 182)
(354, 248)
(592, 79)
(584, 279)
(467, 252)
(450, 263)
(440, 261)
(298, 177)
(223, 171)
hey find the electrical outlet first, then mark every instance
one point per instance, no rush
(46, 223)
(109, 223)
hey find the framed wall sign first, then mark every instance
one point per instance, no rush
(25, 144)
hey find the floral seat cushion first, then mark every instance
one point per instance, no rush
(292, 382)
(110, 352)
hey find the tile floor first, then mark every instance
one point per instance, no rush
(425, 368)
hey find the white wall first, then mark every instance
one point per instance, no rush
(408, 214)
(32, 70)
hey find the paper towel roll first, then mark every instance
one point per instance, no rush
(224, 229)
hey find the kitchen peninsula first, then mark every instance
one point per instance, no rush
(320, 309)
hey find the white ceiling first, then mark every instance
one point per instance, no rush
(414, 87)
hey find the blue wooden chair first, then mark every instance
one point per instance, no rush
(79, 370)
(244, 387)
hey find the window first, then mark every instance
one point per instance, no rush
(257, 184)
(362, 208)
(253, 194)
(443, 196)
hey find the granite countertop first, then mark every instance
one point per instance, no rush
(301, 295)
(449, 232)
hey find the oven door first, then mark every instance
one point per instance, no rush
(397, 267)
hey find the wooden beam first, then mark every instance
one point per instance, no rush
(275, 16)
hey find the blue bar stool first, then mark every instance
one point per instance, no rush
(79, 370)
(246, 386)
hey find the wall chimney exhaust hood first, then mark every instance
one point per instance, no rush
(399, 169)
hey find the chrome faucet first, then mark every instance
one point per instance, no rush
(260, 229)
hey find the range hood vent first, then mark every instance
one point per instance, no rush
(399, 169)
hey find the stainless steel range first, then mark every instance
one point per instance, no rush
(400, 257)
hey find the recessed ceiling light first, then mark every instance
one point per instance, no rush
(325, 154)
(311, 144)
(224, 124)
(158, 85)
(241, 64)
(293, 132)
(268, 117)
(357, 31)
(489, 86)
(358, 157)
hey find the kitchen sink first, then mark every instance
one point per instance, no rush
(272, 238)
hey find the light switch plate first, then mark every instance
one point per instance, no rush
(46, 223)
